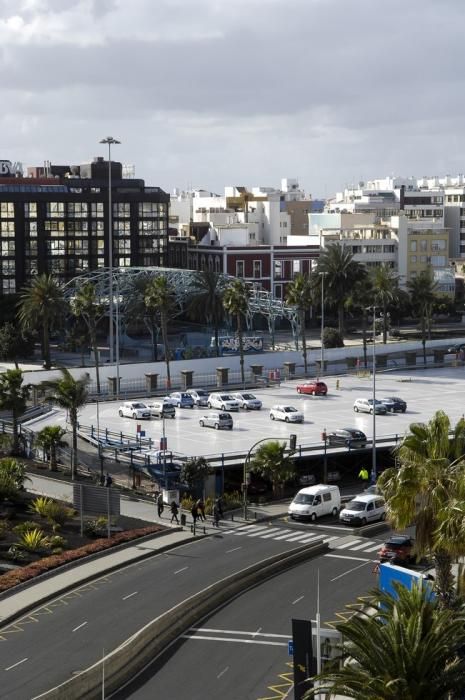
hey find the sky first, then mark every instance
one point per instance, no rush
(208, 93)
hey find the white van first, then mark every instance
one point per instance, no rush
(315, 501)
(363, 509)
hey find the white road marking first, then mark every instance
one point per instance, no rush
(79, 626)
(260, 634)
(258, 530)
(254, 634)
(374, 548)
(270, 534)
(285, 533)
(330, 539)
(8, 668)
(349, 571)
(297, 600)
(343, 556)
(346, 545)
(130, 595)
(360, 546)
(184, 568)
(297, 537)
(310, 538)
(228, 551)
(238, 641)
(223, 672)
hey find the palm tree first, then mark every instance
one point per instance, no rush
(423, 293)
(360, 300)
(49, 438)
(342, 272)
(137, 310)
(207, 301)
(71, 394)
(299, 294)
(236, 303)
(159, 298)
(385, 291)
(425, 490)
(85, 305)
(194, 472)
(405, 647)
(273, 464)
(13, 397)
(42, 306)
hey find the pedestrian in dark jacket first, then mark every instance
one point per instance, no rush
(174, 511)
(160, 504)
(108, 480)
(219, 503)
(216, 514)
(194, 512)
(201, 509)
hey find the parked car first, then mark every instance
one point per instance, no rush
(289, 414)
(314, 501)
(162, 408)
(398, 549)
(348, 437)
(224, 402)
(458, 347)
(394, 403)
(366, 406)
(363, 509)
(314, 388)
(200, 396)
(134, 409)
(182, 399)
(217, 420)
(248, 401)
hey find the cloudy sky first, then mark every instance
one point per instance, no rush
(204, 93)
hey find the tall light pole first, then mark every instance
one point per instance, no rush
(373, 454)
(322, 358)
(110, 141)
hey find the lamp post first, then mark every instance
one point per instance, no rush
(291, 439)
(110, 141)
(373, 454)
(322, 358)
(324, 437)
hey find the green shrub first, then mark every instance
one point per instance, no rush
(96, 527)
(332, 338)
(24, 526)
(14, 554)
(40, 506)
(33, 540)
(56, 541)
(57, 514)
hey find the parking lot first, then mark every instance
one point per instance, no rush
(424, 390)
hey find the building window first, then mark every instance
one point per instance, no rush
(278, 291)
(121, 228)
(123, 245)
(423, 245)
(438, 260)
(423, 259)
(413, 259)
(150, 209)
(8, 247)
(295, 267)
(97, 228)
(257, 268)
(7, 210)
(96, 210)
(278, 269)
(239, 268)
(7, 229)
(9, 286)
(77, 210)
(56, 210)
(30, 210)
(438, 245)
(121, 210)
(413, 246)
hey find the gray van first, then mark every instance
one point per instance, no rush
(161, 408)
(217, 420)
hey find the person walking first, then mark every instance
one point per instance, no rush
(108, 480)
(174, 511)
(160, 504)
(219, 503)
(216, 514)
(194, 512)
(201, 510)
(363, 475)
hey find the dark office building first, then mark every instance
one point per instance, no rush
(56, 221)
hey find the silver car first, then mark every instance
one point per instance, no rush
(200, 396)
(223, 401)
(248, 401)
(366, 406)
(289, 414)
(217, 420)
(134, 409)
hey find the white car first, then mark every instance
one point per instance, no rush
(224, 402)
(134, 409)
(289, 414)
(248, 401)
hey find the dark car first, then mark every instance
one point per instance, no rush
(348, 437)
(398, 549)
(458, 347)
(394, 403)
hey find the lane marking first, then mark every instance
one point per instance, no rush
(285, 533)
(270, 534)
(297, 537)
(258, 530)
(228, 551)
(346, 545)
(309, 539)
(8, 668)
(223, 672)
(349, 571)
(374, 548)
(232, 639)
(254, 634)
(260, 634)
(184, 568)
(343, 556)
(360, 546)
(297, 600)
(130, 595)
(81, 625)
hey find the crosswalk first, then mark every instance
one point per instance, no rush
(268, 532)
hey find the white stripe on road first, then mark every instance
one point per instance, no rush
(284, 534)
(361, 546)
(8, 668)
(260, 634)
(239, 641)
(343, 556)
(309, 539)
(346, 545)
(275, 531)
(349, 571)
(258, 530)
(228, 551)
(294, 538)
(130, 595)
(184, 568)
(79, 626)
(223, 672)
(374, 548)
(297, 600)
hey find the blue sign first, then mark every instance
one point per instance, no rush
(290, 647)
(142, 433)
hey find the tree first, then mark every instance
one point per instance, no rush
(12, 478)
(423, 294)
(49, 438)
(425, 489)
(137, 310)
(404, 647)
(42, 306)
(361, 299)
(194, 472)
(159, 298)
(236, 303)
(385, 291)
(299, 294)
(85, 305)
(206, 303)
(71, 394)
(13, 397)
(273, 464)
(342, 274)
(15, 343)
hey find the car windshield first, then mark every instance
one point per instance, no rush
(376, 401)
(304, 499)
(139, 405)
(226, 397)
(201, 392)
(248, 397)
(355, 505)
(289, 409)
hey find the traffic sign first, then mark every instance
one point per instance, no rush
(290, 647)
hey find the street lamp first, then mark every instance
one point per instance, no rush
(110, 141)
(373, 454)
(324, 437)
(292, 442)
(322, 359)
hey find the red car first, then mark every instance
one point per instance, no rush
(313, 388)
(398, 549)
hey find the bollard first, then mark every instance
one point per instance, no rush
(232, 516)
(337, 384)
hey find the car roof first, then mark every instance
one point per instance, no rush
(398, 539)
(367, 497)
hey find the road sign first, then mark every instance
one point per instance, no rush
(290, 647)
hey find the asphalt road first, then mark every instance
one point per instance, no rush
(424, 390)
(51, 643)
(241, 650)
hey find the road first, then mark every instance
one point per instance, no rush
(242, 650)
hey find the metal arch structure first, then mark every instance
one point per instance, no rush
(183, 282)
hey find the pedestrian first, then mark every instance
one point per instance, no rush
(201, 509)
(363, 475)
(194, 512)
(216, 514)
(160, 504)
(174, 511)
(219, 503)
(108, 480)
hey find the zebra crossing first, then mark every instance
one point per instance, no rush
(268, 532)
